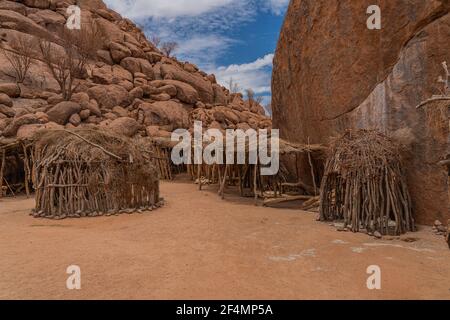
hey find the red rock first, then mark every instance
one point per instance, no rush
(134, 65)
(185, 92)
(85, 114)
(13, 127)
(62, 112)
(109, 96)
(120, 112)
(6, 100)
(203, 87)
(166, 113)
(125, 126)
(10, 89)
(343, 75)
(7, 111)
(75, 119)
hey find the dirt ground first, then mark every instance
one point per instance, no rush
(200, 247)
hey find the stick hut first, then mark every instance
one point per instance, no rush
(364, 185)
(87, 172)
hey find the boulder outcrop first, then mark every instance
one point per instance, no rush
(332, 73)
(129, 86)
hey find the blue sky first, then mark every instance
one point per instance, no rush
(230, 38)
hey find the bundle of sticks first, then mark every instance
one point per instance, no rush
(89, 172)
(364, 185)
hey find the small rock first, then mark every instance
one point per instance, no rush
(437, 223)
(377, 235)
(6, 100)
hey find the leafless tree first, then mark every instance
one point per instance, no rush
(168, 48)
(259, 100)
(250, 96)
(20, 56)
(78, 47)
(155, 40)
(268, 108)
(233, 86)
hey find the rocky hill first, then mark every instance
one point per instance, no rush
(129, 85)
(332, 73)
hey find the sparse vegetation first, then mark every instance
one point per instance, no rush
(233, 86)
(252, 99)
(155, 40)
(168, 48)
(20, 56)
(68, 64)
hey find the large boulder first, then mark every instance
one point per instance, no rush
(119, 52)
(344, 75)
(109, 96)
(23, 24)
(203, 87)
(62, 112)
(219, 95)
(7, 111)
(13, 127)
(124, 126)
(111, 74)
(138, 65)
(10, 89)
(5, 100)
(184, 92)
(167, 113)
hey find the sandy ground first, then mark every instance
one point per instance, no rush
(200, 247)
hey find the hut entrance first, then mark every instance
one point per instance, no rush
(15, 168)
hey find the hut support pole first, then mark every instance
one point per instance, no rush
(224, 181)
(2, 170)
(313, 175)
(199, 177)
(255, 183)
(26, 166)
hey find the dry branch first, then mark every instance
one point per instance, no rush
(364, 184)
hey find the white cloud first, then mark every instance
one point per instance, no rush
(202, 29)
(278, 6)
(255, 75)
(203, 50)
(140, 9)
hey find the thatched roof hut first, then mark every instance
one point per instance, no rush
(364, 184)
(89, 172)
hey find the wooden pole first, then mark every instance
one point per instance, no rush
(222, 187)
(313, 175)
(26, 166)
(2, 170)
(255, 183)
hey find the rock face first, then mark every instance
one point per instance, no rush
(128, 87)
(332, 73)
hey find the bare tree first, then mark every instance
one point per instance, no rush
(168, 48)
(259, 100)
(268, 108)
(250, 96)
(20, 56)
(233, 86)
(155, 40)
(78, 47)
